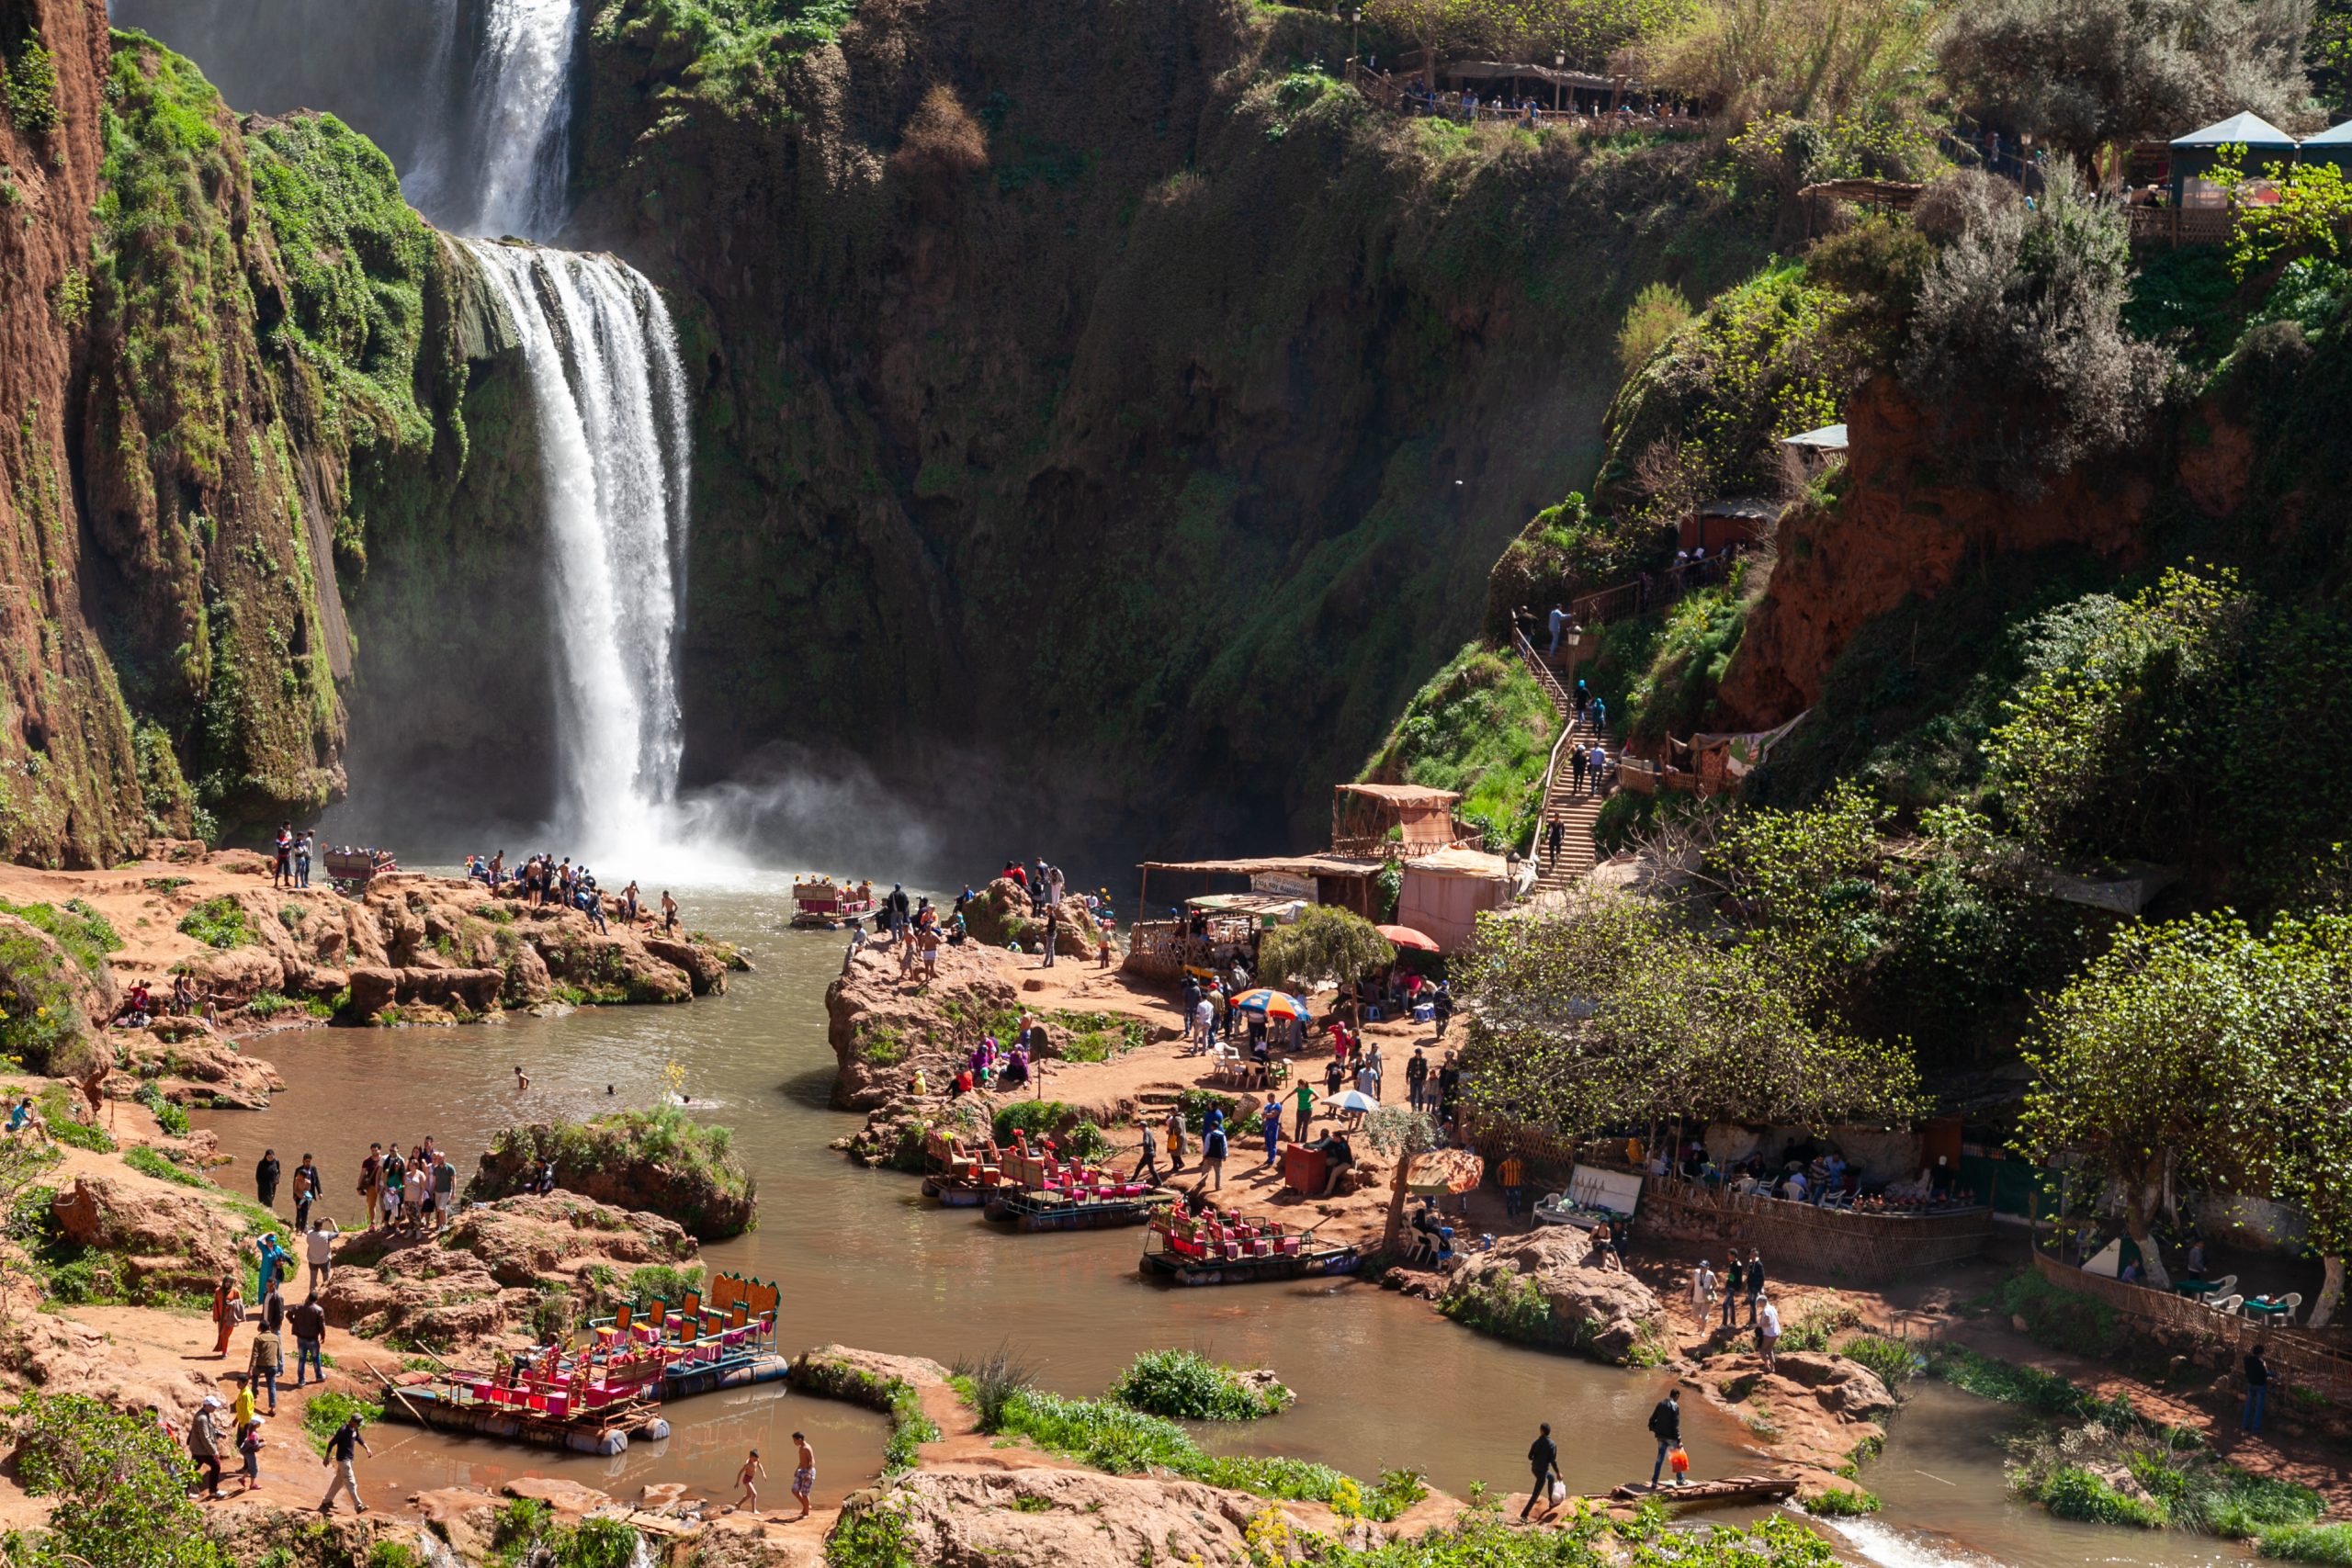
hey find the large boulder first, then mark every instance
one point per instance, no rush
(662, 1161)
(1603, 1312)
(155, 1239)
(1072, 1518)
(1843, 1387)
(486, 1274)
(189, 1065)
(1001, 914)
(882, 1029)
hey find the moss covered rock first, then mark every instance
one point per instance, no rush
(662, 1161)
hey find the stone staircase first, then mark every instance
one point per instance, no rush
(1573, 808)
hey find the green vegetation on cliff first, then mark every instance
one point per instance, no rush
(662, 1159)
(1484, 727)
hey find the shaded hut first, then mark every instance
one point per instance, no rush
(2333, 145)
(2195, 155)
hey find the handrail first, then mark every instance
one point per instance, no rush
(1551, 765)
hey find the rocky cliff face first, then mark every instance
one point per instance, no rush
(230, 360)
(1116, 406)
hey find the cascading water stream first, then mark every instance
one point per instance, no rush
(609, 395)
(521, 101)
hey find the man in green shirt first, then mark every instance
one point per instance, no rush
(1305, 1097)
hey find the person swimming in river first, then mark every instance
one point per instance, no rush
(522, 1079)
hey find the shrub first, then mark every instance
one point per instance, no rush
(120, 1486)
(2074, 1492)
(1894, 1360)
(57, 1110)
(660, 1281)
(1033, 1118)
(987, 1384)
(1988, 1378)
(328, 1410)
(1658, 312)
(1188, 1386)
(2017, 347)
(269, 1004)
(874, 1536)
(1842, 1503)
(86, 936)
(171, 1118)
(219, 922)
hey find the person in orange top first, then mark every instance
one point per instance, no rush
(1513, 1176)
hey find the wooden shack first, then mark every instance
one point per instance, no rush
(1394, 820)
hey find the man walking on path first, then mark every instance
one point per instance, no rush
(1305, 1095)
(1417, 1077)
(1543, 1459)
(1703, 1291)
(1768, 1332)
(342, 1450)
(308, 1322)
(1665, 1426)
(1552, 837)
(804, 1473)
(1559, 623)
(371, 1181)
(2257, 1389)
(1576, 759)
(1755, 1283)
(1151, 1160)
(265, 1178)
(1732, 1277)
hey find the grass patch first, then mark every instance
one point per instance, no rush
(86, 936)
(327, 1412)
(2309, 1543)
(1990, 1378)
(1114, 1438)
(219, 922)
(1842, 1503)
(171, 1118)
(1188, 1386)
(1483, 727)
(151, 1162)
(1896, 1361)
(57, 1109)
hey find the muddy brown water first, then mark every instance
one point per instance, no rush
(864, 1260)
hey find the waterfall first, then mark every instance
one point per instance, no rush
(424, 183)
(522, 97)
(609, 396)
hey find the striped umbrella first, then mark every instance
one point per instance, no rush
(1272, 1004)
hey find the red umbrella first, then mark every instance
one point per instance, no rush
(1406, 936)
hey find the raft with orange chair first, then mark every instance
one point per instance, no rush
(1214, 1248)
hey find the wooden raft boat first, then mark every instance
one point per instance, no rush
(822, 903)
(598, 1397)
(1031, 1210)
(1231, 1249)
(958, 1176)
(1724, 1489)
(1040, 1191)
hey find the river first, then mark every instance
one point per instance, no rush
(864, 1260)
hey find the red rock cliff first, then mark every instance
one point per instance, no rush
(1901, 528)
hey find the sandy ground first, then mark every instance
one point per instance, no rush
(145, 900)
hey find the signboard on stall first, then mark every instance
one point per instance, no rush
(1282, 884)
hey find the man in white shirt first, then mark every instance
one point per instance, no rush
(318, 1245)
(1703, 1291)
(1768, 1331)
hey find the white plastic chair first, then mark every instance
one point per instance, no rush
(2294, 1300)
(2227, 1305)
(2223, 1286)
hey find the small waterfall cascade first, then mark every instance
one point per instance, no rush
(611, 407)
(521, 122)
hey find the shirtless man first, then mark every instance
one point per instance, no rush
(522, 1080)
(804, 1473)
(749, 1478)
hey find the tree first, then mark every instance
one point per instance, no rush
(2081, 73)
(1325, 942)
(2312, 1119)
(1587, 31)
(2308, 204)
(1405, 1132)
(1616, 1011)
(120, 1486)
(2106, 747)
(2160, 1063)
(1819, 61)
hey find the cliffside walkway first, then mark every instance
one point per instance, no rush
(1574, 809)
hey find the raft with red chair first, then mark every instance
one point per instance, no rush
(1042, 1191)
(1216, 1249)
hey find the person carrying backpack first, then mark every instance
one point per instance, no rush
(1665, 1426)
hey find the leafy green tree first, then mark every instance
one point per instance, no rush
(2161, 1063)
(2304, 216)
(2311, 1117)
(2104, 749)
(1616, 1011)
(120, 1486)
(1324, 944)
(1658, 312)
